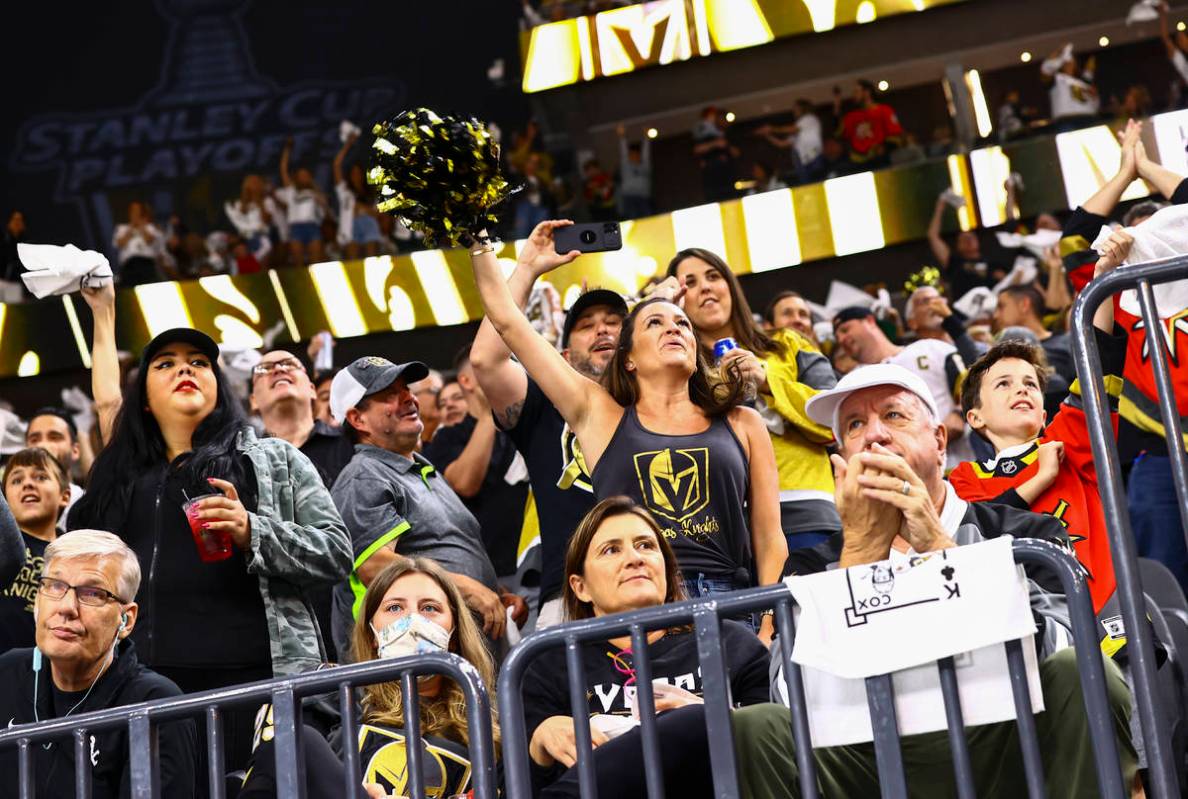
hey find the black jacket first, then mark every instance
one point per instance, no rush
(126, 682)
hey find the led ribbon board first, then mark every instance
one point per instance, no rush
(759, 233)
(662, 32)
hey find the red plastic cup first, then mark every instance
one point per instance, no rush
(213, 545)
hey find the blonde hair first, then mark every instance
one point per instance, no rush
(445, 714)
(98, 544)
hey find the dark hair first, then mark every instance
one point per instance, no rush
(804, 104)
(1140, 211)
(623, 387)
(61, 413)
(323, 376)
(865, 84)
(348, 429)
(769, 311)
(461, 358)
(37, 458)
(579, 546)
(1031, 294)
(1033, 354)
(136, 445)
(748, 334)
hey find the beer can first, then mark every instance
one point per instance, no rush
(723, 346)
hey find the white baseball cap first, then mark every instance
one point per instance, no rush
(824, 407)
(367, 376)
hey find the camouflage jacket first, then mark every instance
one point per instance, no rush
(298, 541)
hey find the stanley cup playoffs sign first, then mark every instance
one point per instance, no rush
(234, 81)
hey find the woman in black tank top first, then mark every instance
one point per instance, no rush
(656, 431)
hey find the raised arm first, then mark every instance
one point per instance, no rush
(105, 361)
(940, 250)
(1163, 179)
(284, 162)
(1056, 295)
(1107, 197)
(12, 545)
(502, 379)
(338, 159)
(569, 391)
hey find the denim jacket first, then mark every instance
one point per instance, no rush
(298, 541)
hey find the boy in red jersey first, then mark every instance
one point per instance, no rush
(1045, 469)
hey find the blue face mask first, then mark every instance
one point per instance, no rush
(410, 635)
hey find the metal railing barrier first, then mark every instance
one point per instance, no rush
(285, 694)
(1140, 277)
(705, 616)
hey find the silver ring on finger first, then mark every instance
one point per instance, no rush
(907, 487)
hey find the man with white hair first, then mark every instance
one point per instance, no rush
(922, 317)
(83, 662)
(894, 504)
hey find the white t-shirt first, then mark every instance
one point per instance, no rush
(248, 220)
(147, 244)
(807, 141)
(302, 204)
(1072, 96)
(940, 366)
(346, 211)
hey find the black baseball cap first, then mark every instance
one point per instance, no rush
(366, 376)
(592, 298)
(850, 314)
(186, 335)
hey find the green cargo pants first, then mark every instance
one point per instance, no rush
(767, 761)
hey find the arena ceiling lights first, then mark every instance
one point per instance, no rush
(662, 32)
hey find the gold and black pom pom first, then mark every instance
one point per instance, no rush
(927, 276)
(439, 174)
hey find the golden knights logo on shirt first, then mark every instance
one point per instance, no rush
(385, 762)
(674, 483)
(574, 473)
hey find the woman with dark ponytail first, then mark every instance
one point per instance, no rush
(223, 596)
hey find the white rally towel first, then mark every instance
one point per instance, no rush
(1143, 11)
(887, 616)
(898, 617)
(843, 295)
(1035, 243)
(1162, 235)
(54, 269)
(1022, 273)
(976, 303)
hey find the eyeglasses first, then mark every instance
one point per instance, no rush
(87, 594)
(277, 366)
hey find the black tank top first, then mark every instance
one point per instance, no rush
(694, 485)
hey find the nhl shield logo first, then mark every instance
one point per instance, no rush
(674, 483)
(1008, 467)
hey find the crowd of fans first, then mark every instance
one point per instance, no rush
(288, 219)
(179, 534)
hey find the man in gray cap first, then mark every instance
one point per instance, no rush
(393, 501)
